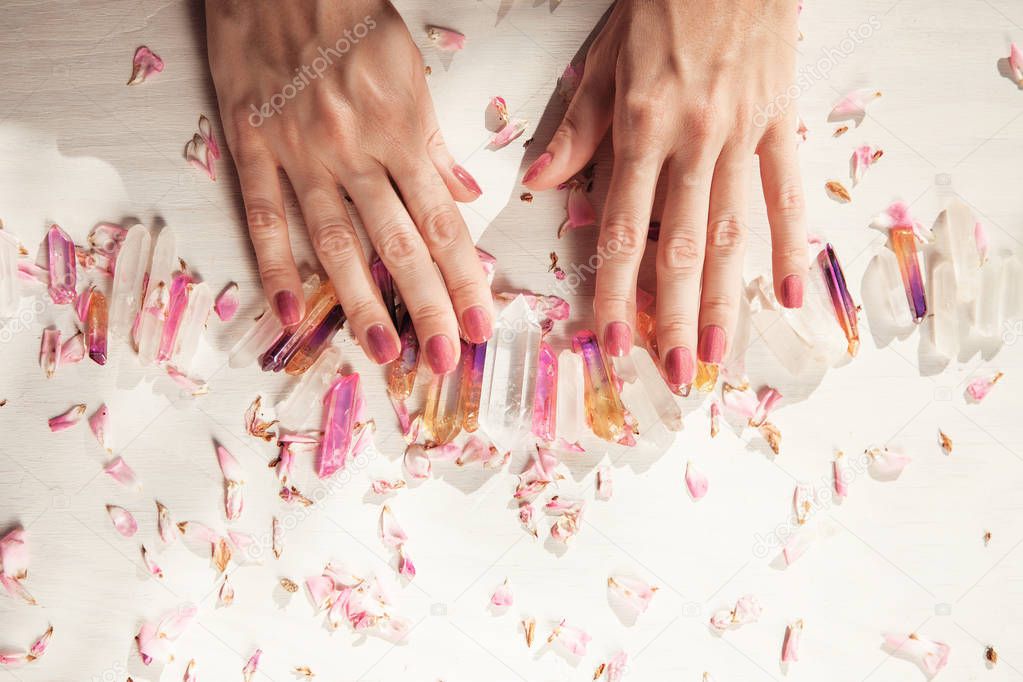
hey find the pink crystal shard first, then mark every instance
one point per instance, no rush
(96, 327)
(605, 413)
(177, 302)
(342, 403)
(63, 265)
(545, 400)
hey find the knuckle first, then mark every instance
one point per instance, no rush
(621, 237)
(335, 241)
(717, 306)
(726, 235)
(429, 314)
(789, 202)
(265, 219)
(680, 256)
(675, 325)
(465, 288)
(791, 253)
(273, 270)
(398, 244)
(702, 122)
(359, 309)
(441, 226)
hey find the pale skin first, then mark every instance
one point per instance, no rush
(684, 86)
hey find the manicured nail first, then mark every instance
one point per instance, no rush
(476, 323)
(440, 353)
(617, 339)
(382, 346)
(678, 365)
(712, 344)
(792, 291)
(287, 308)
(538, 167)
(466, 179)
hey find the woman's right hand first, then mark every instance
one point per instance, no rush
(335, 94)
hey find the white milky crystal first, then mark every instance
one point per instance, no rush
(9, 297)
(790, 349)
(987, 307)
(666, 407)
(959, 243)
(129, 273)
(302, 401)
(883, 272)
(1011, 290)
(571, 415)
(944, 321)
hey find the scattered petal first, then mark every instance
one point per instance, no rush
(695, 481)
(234, 480)
(277, 537)
(1016, 63)
(165, 524)
(99, 422)
(445, 39)
(190, 674)
(391, 533)
(14, 554)
(499, 106)
(978, 389)
(68, 419)
(837, 191)
(406, 569)
(772, 435)
(616, 667)
(931, 656)
(227, 303)
(863, 157)
(572, 639)
(843, 474)
(636, 593)
(155, 641)
(981, 239)
(790, 646)
(49, 351)
(990, 655)
(529, 629)
(289, 585)
(526, 518)
(251, 666)
(579, 209)
(119, 470)
(124, 522)
(502, 596)
(840, 131)
(604, 483)
(801, 129)
(196, 387)
(853, 106)
(897, 215)
(797, 544)
(802, 502)
(715, 418)
(144, 64)
(509, 133)
(73, 350)
(255, 425)
(945, 442)
(225, 597)
(747, 610)
(38, 647)
(151, 565)
(381, 486)
(417, 462)
(304, 671)
(887, 464)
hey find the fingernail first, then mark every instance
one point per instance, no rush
(538, 167)
(382, 346)
(712, 344)
(792, 291)
(440, 353)
(287, 308)
(678, 365)
(476, 323)
(466, 179)
(617, 339)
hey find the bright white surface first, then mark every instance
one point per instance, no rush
(78, 147)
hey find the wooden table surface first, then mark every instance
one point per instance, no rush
(77, 147)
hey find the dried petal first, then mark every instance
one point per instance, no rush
(502, 596)
(124, 522)
(982, 241)
(251, 666)
(304, 671)
(445, 39)
(196, 387)
(289, 585)
(945, 442)
(802, 502)
(144, 64)
(978, 389)
(190, 674)
(206, 133)
(887, 464)
(695, 481)
(853, 106)
(119, 470)
(155, 641)
(417, 462)
(529, 629)
(636, 593)
(616, 667)
(790, 646)
(747, 610)
(277, 537)
(99, 422)
(509, 133)
(68, 419)
(990, 655)
(572, 639)
(801, 129)
(715, 418)
(234, 480)
(225, 597)
(381, 486)
(931, 656)
(579, 209)
(38, 647)
(391, 533)
(840, 131)
(49, 351)
(406, 569)
(863, 157)
(151, 565)
(772, 435)
(526, 518)
(837, 191)
(256, 425)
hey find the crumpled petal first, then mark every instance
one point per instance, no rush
(220, 551)
(144, 64)
(151, 565)
(526, 511)
(572, 639)
(978, 389)
(251, 666)
(99, 423)
(68, 419)
(165, 524)
(124, 522)
(746, 610)
(803, 502)
(445, 39)
(580, 211)
(227, 303)
(119, 470)
(634, 592)
(790, 646)
(382, 486)
(887, 464)
(616, 667)
(417, 462)
(863, 157)
(568, 524)
(500, 108)
(391, 533)
(853, 106)
(502, 596)
(696, 481)
(931, 656)
(155, 641)
(255, 425)
(509, 133)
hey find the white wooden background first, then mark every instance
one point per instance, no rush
(77, 147)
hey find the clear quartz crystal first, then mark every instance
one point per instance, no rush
(9, 298)
(263, 332)
(1011, 290)
(162, 267)
(815, 321)
(944, 322)
(663, 400)
(790, 349)
(987, 306)
(961, 246)
(442, 416)
(301, 402)
(509, 377)
(885, 267)
(129, 274)
(193, 324)
(605, 414)
(63, 265)
(570, 417)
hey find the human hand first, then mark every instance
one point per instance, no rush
(692, 84)
(335, 94)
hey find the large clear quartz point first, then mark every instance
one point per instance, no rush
(129, 275)
(987, 307)
(944, 321)
(9, 297)
(956, 229)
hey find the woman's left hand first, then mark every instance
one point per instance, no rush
(693, 89)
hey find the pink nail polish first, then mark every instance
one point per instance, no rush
(792, 291)
(617, 339)
(712, 344)
(466, 179)
(440, 353)
(678, 366)
(538, 167)
(287, 308)
(476, 324)
(382, 346)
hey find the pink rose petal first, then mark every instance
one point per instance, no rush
(790, 645)
(502, 596)
(616, 667)
(445, 39)
(225, 596)
(251, 666)
(863, 158)
(391, 533)
(635, 593)
(978, 389)
(155, 641)
(695, 481)
(604, 483)
(68, 419)
(580, 212)
(124, 522)
(73, 350)
(570, 638)
(14, 555)
(38, 647)
(49, 351)
(842, 473)
(227, 303)
(195, 387)
(931, 656)
(1016, 63)
(99, 423)
(853, 106)
(234, 481)
(144, 64)
(982, 241)
(509, 133)
(797, 544)
(119, 470)
(151, 565)
(886, 464)
(417, 462)
(382, 486)
(165, 523)
(746, 610)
